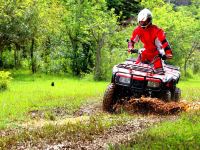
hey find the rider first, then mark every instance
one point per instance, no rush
(154, 40)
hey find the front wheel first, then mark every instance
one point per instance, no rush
(177, 94)
(108, 99)
(166, 96)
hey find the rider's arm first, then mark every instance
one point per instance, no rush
(165, 44)
(134, 38)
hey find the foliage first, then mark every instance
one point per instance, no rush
(81, 37)
(4, 80)
(81, 52)
(101, 28)
(124, 8)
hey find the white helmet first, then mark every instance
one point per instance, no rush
(145, 18)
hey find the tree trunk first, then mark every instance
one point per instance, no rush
(185, 67)
(75, 67)
(98, 75)
(47, 53)
(33, 65)
(191, 51)
(1, 60)
(16, 56)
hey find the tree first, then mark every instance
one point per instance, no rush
(13, 29)
(101, 24)
(124, 8)
(81, 50)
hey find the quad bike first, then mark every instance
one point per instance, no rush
(131, 80)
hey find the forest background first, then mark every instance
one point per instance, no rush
(87, 37)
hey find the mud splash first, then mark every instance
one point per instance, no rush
(146, 105)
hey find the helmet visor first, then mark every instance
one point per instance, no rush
(145, 23)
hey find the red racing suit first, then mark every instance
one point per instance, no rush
(154, 40)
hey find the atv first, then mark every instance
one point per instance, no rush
(131, 80)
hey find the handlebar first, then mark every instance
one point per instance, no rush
(163, 57)
(134, 51)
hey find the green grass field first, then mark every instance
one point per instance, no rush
(190, 89)
(34, 92)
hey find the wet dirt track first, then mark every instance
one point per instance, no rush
(114, 136)
(148, 111)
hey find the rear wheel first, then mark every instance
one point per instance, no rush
(108, 99)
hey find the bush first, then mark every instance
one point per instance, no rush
(4, 80)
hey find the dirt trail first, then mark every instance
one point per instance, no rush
(115, 135)
(155, 111)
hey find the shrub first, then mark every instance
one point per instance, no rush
(4, 80)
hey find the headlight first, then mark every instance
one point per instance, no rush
(124, 80)
(153, 84)
(115, 69)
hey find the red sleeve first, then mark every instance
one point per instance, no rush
(164, 42)
(135, 35)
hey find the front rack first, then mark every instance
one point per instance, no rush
(135, 67)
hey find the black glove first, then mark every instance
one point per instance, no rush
(134, 51)
(163, 57)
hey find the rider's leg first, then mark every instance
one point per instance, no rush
(158, 66)
(138, 59)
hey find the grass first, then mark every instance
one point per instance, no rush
(190, 89)
(34, 92)
(181, 134)
(29, 92)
